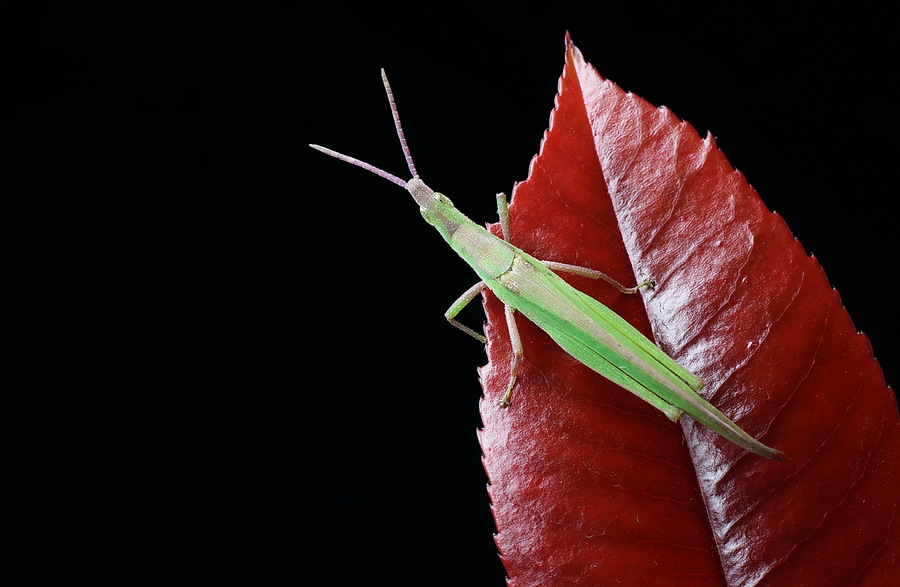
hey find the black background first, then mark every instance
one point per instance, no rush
(226, 361)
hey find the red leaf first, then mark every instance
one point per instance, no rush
(590, 485)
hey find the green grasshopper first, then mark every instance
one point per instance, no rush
(582, 326)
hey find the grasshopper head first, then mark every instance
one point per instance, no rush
(436, 208)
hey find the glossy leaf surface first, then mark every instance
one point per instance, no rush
(590, 485)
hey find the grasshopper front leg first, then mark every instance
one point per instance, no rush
(514, 337)
(461, 303)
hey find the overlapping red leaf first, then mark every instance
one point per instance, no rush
(591, 486)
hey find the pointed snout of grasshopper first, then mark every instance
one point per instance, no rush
(437, 209)
(421, 193)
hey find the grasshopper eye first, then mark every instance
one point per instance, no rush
(442, 199)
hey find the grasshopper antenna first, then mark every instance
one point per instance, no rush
(368, 166)
(398, 126)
